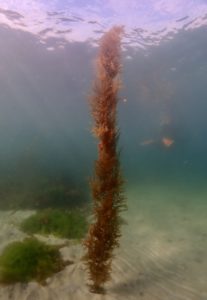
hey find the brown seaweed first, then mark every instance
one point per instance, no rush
(107, 182)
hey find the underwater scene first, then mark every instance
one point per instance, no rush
(103, 167)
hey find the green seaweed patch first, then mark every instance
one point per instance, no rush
(63, 224)
(28, 260)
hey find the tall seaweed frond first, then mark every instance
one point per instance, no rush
(107, 182)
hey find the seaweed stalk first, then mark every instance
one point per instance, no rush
(107, 182)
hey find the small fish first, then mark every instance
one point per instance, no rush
(167, 142)
(147, 142)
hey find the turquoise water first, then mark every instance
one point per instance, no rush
(47, 151)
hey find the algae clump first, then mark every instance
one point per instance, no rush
(63, 224)
(27, 260)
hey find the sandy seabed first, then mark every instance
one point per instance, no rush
(162, 254)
